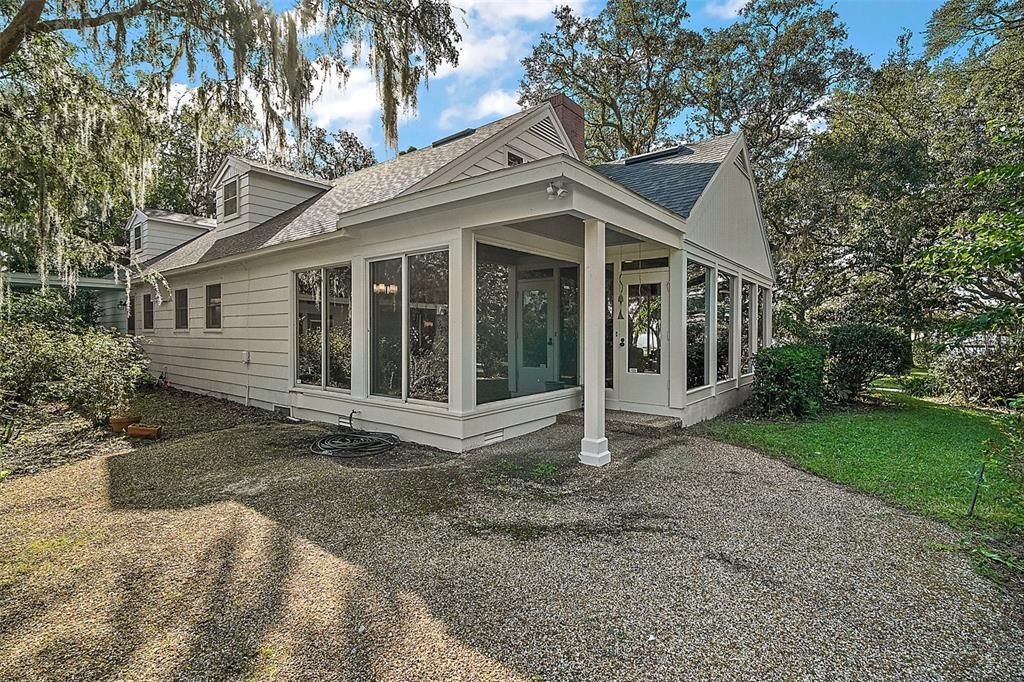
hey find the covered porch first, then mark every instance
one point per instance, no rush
(483, 309)
(548, 308)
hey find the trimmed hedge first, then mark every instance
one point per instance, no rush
(860, 353)
(788, 380)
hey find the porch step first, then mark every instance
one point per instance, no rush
(635, 423)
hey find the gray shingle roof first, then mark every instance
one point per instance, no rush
(319, 214)
(675, 181)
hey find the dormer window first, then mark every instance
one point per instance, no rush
(138, 238)
(514, 159)
(231, 197)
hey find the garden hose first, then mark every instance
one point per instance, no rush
(349, 443)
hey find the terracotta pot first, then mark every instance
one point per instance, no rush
(120, 422)
(140, 431)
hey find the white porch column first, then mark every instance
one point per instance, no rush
(594, 445)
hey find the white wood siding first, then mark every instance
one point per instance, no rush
(159, 236)
(260, 197)
(726, 222)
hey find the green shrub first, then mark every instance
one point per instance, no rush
(53, 309)
(921, 385)
(54, 357)
(788, 380)
(35, 360)
(983, 376)
(109, 368)
(1009, 455)
(860, 353)
(926, 352)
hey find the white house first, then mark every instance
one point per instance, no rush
(469, 292)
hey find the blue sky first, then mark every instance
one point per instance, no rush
(499, 33)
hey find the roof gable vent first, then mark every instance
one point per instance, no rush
(454, 136)
(657, 154)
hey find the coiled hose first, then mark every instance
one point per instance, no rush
(349, 442)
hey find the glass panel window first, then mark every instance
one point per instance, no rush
(181, 309)
(231, 197)
(644, 328)
(339, 327)
(746, 345)
(138, 238)
(147, 311)
(428, 326)
(309, 327)
(762, 306)
(725, 322)
(493, 334)
(698, 302)
(534, 315)
(386, 327)
(213, 306)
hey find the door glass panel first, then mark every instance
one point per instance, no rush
(644, 328)
(535, 328)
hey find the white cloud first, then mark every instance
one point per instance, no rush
(724, 9)
(492, 104)
(351, 104)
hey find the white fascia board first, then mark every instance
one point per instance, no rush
(32, 279)
(229, 160)
(319, 184)
(137, 216)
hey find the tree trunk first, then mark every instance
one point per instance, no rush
(12, 37)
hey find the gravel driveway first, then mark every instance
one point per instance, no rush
(233, 555)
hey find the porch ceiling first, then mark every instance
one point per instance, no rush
(569, 230)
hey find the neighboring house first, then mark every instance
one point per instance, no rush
(469, 292)
(108, 295)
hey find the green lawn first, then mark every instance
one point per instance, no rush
(914, 453)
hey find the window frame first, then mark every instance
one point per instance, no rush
(219, 305)
(178, 308)
(147, 312)
(748, 314)
(734, 279)
(710, 323)
(233, 182)
(324, 315)
(137, 237)
(404, 293)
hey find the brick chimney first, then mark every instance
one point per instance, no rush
(570, 115)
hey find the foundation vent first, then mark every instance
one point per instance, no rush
(492, 438)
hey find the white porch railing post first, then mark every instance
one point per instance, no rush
(594, 445)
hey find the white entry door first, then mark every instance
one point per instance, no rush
(641, 345)
(537, 304)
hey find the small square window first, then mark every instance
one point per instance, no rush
(138, 237)
(514, 159)
(231, 197)
(147, 311)
(213, 306)
(181, 309)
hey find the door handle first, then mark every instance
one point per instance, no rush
(551, 341)
(622, 342)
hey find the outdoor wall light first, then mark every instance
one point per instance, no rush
(556, 190)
